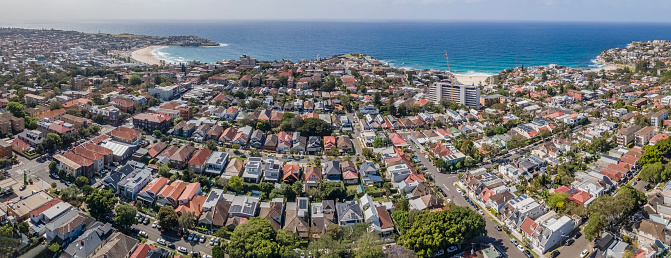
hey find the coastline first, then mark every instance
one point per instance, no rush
(144, 55)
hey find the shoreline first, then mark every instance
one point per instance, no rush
(471, 79)
(144, 55)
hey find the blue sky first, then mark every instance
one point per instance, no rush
(351, 10)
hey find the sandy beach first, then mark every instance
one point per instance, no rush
(471, 79)
(609, 67)
(144, 55)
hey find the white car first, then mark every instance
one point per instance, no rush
(182, 249)
(153, 225)
(161, 241)
(520, 248)
(202, 239)
(142, 234)
(584, 253)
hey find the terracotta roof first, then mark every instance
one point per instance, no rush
(97, 148)
(72, 103)
(155, 118)
(100, 139)
(290, 169)
(81, 151)
(84, 162)
(529, 226)
(52, 113)
(195, 205)
(169, 151)
(156, 149)
(45, 207)
(142, 250)
(125, 133)
(173, 190)
(200, 157)
(415, 177)
(190, 191)
(155, 185)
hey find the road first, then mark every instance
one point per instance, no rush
(155, 234)
(36, 169)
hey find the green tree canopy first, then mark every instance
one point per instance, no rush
(315, 127)
(254, 238)
(167, 217)
(125, 215)
(101, 203)
(16, 108)
(235, 183)
(432, 231)
(135, 79)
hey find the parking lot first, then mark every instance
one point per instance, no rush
(153, 234)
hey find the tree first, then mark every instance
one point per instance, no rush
(186, 220)
(263, 125)
(53, 167)
(369, 245)
(315, 127)
(30, 123)
(157, 133)
(212, 145)
(288, 241)
(440, 163)
(558, 201)
(135, 79)
(218, 252)
(81, 181)
(126, 216)
(101, 203)
(378, 142)
(16, 108)
(254, 238)
(53, 185)
(55, 105)
(167, 217)
(54, 247)
(431, 231)
(163, 170)
(235, 183)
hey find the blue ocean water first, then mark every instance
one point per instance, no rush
(473, 47)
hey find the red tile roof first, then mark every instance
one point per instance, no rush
(195, 205)
(97, 148)
(529, 226)
(45, 207)
(156, 149)
(200, 157)
(142, 250)
(125, 133)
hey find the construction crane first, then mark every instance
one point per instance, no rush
(449, 74)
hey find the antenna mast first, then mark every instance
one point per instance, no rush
(449, 73)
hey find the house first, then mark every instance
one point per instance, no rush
(228, 135)
(191, 190)
(296, 218)
(345, 144)
(88, 242)
(117, 245)
(329, 142)
(312, 175)
(216, 216)
(243, 206)
(497, 201)
(322, 215)
(350, 175)
(271, 142)
(332, 171)
(349, 213)
(169, 195)
(253, 170)
(156, 149)
(180, 158)
(273, 211)
(194, 206)
(398, 173)
(133, 183)
(49, 211)
(149, 193)
(67, 227)
(376, 215)
(197, 162)
(369, 174)
(314, 145)
(429, 201)
(272, 170)
(257, 140)
(552, 232)
(234, 168)
(215, 164)
(284, 143)
(292, 173)
(151, 121)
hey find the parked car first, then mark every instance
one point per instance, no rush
(584, 253)
(497, 228)
(190, 238)
(182, 249)
(202, 239)
(146, 221)
(528, 254)
(480, 212)
(577, 235)
(513, 241)
(153, 225)
(134, 230)
(520, 247)
(171, 245)
(143, 234)
(23, 187)
(195, 254)
(570, 241)
(161, 241)
(451, 249)
(554, 254)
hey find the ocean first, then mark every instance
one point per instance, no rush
(474, 48)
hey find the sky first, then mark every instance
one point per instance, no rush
(340, 10)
